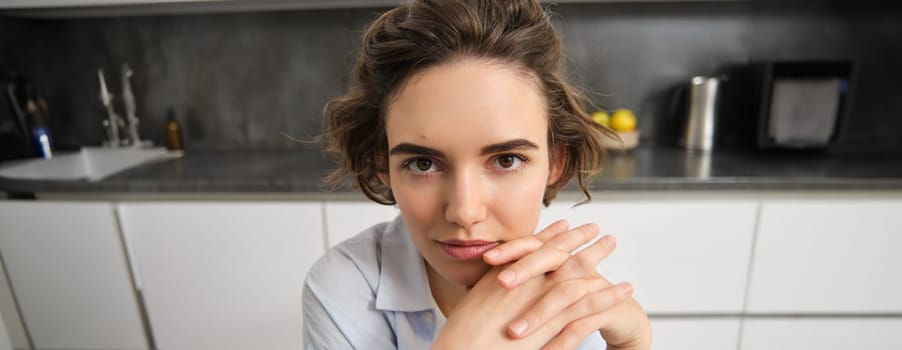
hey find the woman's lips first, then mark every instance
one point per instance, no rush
(466, 250)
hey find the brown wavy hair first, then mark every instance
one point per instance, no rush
(421, 34)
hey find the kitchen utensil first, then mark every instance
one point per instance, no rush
(701, 114)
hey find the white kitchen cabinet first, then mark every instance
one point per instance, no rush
(838, 256)
(70, 275)
(682, 256)
(224, 275)
(695, 333)
(346, 219)
(5, 342)
(822, 334)
(12, 334)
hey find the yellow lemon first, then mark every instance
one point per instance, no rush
(601, 117)
(623, 120)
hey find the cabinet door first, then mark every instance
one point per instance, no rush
(346, 219)
(12, 336)
(695, 333)
(822, 334)
(828, 257)
(683, 256)
(5, 341)
(224, 275)
(70, 275)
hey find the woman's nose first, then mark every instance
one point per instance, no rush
(466, 200)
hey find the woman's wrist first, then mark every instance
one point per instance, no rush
(640, 339)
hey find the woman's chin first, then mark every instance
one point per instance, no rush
(467, 275)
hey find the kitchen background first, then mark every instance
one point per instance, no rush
(239, 80)
(208, 249)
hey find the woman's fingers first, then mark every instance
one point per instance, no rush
(518, 248)
(624, 325)
(552, 230)
(549, 257)
(588, 259)
(543, 260)
(573, 239)
(511, 250)
(576, 332)
(572, 299)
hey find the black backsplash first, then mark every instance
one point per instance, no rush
(245, 80)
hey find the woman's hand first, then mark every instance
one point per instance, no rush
(480, 320)
(581, 299)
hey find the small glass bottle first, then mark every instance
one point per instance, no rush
(40, 133)
(173, 132)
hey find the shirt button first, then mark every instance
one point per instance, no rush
(427, 317)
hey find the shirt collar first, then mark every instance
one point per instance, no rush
(403, 285)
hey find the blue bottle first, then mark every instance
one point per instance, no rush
(40, 133)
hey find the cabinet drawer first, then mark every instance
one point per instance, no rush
(683, 256)
(70, 275)
(828, 257)
(822, 334)
(695, 333)
(224, 275)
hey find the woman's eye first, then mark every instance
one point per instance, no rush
(508, 162)
(421, 165)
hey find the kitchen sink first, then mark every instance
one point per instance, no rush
(89, 163)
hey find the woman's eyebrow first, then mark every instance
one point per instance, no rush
(409, 148)
(509, 145)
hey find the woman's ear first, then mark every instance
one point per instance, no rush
(558, 157)
(383, 176)
(382, 170)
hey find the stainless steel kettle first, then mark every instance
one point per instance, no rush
(697, 113)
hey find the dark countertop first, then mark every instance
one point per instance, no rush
(636, 170)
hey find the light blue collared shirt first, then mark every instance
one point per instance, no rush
(371, 292)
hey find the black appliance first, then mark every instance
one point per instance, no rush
(803, 104)
(788, 105)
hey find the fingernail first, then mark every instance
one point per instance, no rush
(492, 254)
(508, 277)
(626, 289)
(519, 327)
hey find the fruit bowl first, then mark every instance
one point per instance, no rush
(623, 123)
(628, 140)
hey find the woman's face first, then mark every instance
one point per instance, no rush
(468, 161)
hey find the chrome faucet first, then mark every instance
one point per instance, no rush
(114, 121)
(129, 99)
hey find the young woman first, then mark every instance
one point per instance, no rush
(462, 118)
